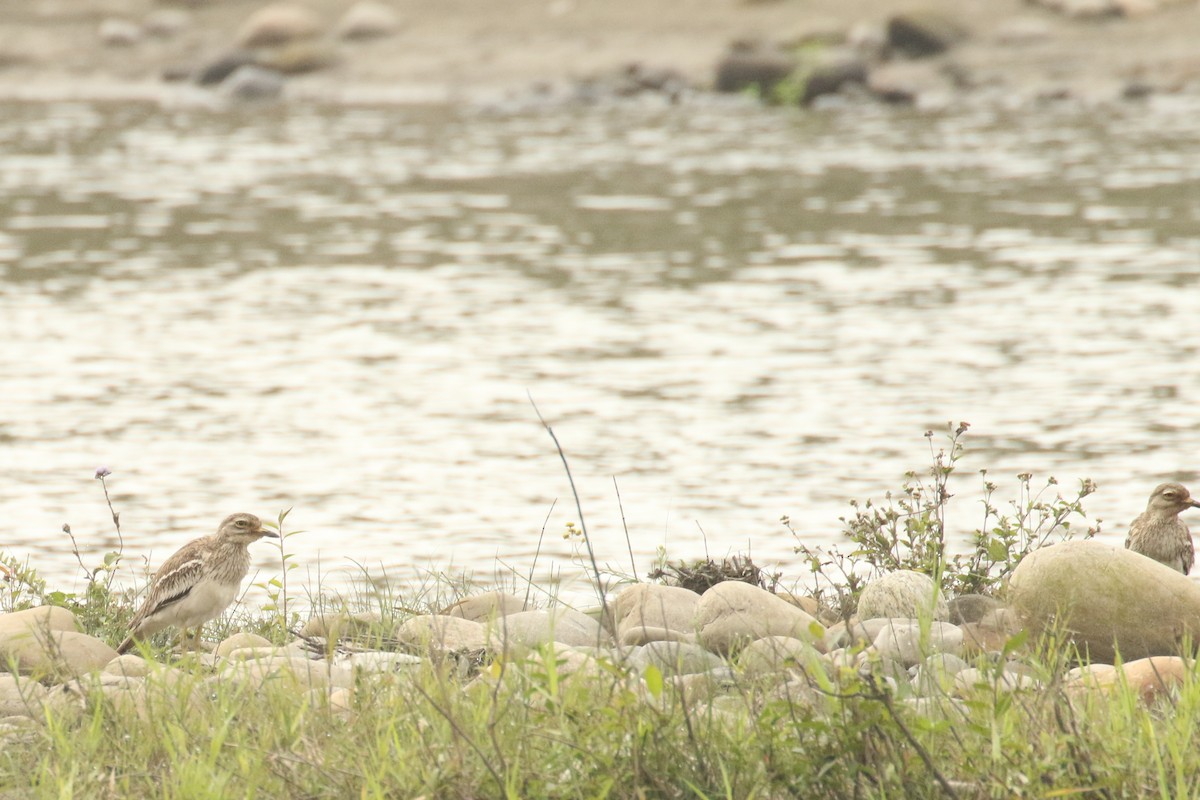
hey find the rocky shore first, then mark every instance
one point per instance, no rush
(1100, 603)
(932, 53)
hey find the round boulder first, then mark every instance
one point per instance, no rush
(903, 594)
(732, 613)
(647, 612)
(368, 20)
(278, 24)
(1106, 600)
(485, 606)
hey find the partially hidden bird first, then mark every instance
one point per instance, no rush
(1159, 533)
(199, 581)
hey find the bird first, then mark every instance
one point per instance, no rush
(199, 581)
(1159, 533)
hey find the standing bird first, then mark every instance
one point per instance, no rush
(199, 582)
(1159, 533)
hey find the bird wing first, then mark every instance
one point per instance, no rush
(174, 579)
(1133, 527)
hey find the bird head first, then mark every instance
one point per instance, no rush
(1169, 499)
(243, 528)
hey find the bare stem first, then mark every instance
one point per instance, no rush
(587, 540)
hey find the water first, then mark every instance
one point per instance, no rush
(736, 313)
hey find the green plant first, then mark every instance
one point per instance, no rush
(909, 531)
(282, 622)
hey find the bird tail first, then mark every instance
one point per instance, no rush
(125, 646)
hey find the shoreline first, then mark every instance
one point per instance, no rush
(455, 51)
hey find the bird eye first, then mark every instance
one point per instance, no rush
(241, 523)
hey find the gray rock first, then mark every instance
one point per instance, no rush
(278, 24)
(747, 67)
(936, 673)
(20, 697)
(218, 69)
(776, 654)
(832, 72)
(971, 607)
(485, 606)
(972, 680)
(166, 23)
(252, 83)
(1105, 600)
(374, 662)
(368, 20)
(901, 594)
(733, 613)
(441, 634)
(119, 33)
(536, 628)
(904, 641)
(301, 672)
(920, 34)
(644, 611)
(674, 658)
(909, 83)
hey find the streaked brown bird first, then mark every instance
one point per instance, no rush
(199, 582)
(1159, 533)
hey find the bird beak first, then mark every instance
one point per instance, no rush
(1195, 504)
(268, 533)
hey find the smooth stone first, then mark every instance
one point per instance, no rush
(42, 618)
(218, 69)
(341, 700)
(1157, 676)
(56, 652)
(971, 607)
(301, 671)
(166, 23)
(921, 34)
(119, 33)
(1105, 600)
(733, 613)
(486, 606)
(840, 635)
(239, 641)
(379, 661)
(536, 628)
(904, 641)
(776, 654)
(20, 697)
(297, 58)
(901, 594)
(643, 610)
(761, 69)
(368, 20)
(972, 680)
(439, 633)
(278, 24)
(129, 665)
(980, 640)
(324, 626)
(252, 83)
(937, 672)
(673, 658)
(642, 635)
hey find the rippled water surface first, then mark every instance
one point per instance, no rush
(737, 313)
